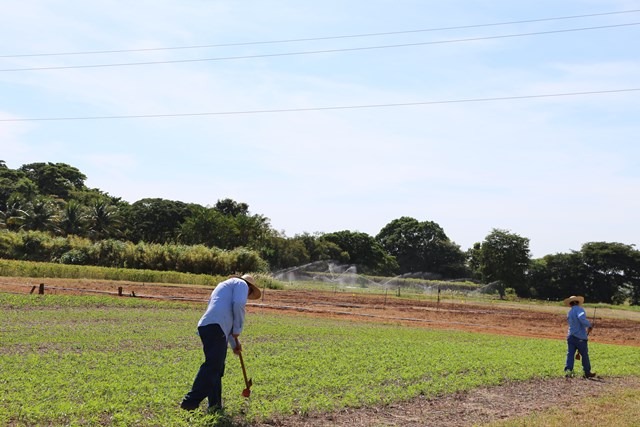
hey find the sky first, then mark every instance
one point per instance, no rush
(530, 125)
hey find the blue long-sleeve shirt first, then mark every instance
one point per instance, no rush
(578, 322)
(226, 307)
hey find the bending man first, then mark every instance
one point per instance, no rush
(221, 324)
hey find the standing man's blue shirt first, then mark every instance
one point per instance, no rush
(226, 307)
(578, 322)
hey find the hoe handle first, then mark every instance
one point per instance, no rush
(247, 382)
(244, 371)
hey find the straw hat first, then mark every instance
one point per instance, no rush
(569, 300)
(255, 290)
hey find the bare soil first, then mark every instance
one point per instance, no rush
(476, 407)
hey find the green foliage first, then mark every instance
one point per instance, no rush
(155, 220)
(611, 268)
(364, 251)
(504, 259)
(422, 247)
(54, 179)
(39, 246)
(123, 361)
(601, 271)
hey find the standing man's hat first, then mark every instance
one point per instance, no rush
(255, 290)
(569, 300)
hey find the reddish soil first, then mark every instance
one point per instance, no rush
(496, 317)
(491, 316)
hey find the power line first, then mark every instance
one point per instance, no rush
(388, 33)
(343, 107)
(312, 52)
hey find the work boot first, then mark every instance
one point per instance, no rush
(568, 373)
(589, 374)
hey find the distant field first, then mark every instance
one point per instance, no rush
(78, 360)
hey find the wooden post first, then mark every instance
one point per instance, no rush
(41, 290)
(33, 289)
(119, 291)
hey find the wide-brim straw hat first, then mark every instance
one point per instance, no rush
(574, 298)
(255, 290)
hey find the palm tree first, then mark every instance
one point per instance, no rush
(14, 216)
(40, 215)
(104, 220)
(73, 219)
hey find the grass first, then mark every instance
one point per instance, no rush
(108, 361)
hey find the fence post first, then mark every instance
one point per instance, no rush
(41, 290)
(119, 291)
(33, 289)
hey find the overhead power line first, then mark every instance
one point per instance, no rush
(312, 52)
(343, 107)
(344, 36)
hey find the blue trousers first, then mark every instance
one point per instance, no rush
(574, 344)
(208, 381)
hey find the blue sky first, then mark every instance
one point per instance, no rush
(561, 171)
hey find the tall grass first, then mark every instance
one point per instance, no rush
(12, 268)
(197, 259)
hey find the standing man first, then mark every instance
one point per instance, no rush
(221, 324)
(577, 337)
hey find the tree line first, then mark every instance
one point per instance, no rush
(47, 213)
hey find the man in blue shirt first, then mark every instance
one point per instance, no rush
(578, 336)
(220, 325)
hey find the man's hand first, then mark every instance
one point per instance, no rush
(589, 329)
(238, 348)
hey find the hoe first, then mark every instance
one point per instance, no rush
(247, 382)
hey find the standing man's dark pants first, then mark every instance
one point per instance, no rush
(208, 381)
(574, 344)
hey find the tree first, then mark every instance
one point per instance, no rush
(104, 220)
(421, 247)
(253, 230)
(155, 220)
(40, 215)
(557, 276)
(13, 216)
(57, 179)
(231, 207)
(364, 251)
(504, 259)
(612, 271)
(73, 219)
(320, 249)
(13, 185)
(209, 227)
(281, 252)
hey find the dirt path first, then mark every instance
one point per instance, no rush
(476, 407)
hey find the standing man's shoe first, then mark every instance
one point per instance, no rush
(590, 375)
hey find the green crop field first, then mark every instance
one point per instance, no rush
(121, 362)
